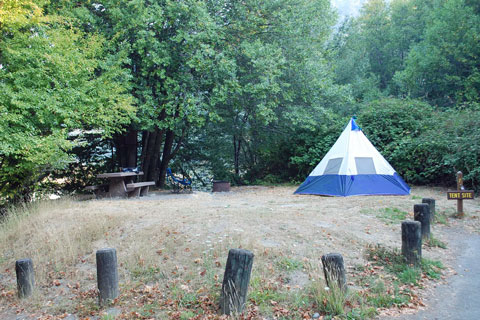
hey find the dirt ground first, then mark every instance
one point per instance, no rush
(186, 235)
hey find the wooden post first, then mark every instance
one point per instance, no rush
(107, 275)
(235, 281)
(460, 212)
(334, 270)
(431, 204)
(412, 242)
(25, 277)
(421, 213)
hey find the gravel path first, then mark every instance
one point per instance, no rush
(458, 298)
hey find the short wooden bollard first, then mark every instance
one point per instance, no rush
(431, 204)
(107, 275)
(25, 277)
(235, 281)
(334, 270)
(421, 213)
(412, 242)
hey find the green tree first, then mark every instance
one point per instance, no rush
(444, 67)
(369, 50)
(282, 80)
(176, 70)
(16, 13)
(52, 81)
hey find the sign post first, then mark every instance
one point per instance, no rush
(460, 195)
(460, 212)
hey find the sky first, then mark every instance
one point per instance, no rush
(348, 7)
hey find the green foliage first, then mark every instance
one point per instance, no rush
(393, 215)
(392, 126)
(309, 145)
(250, 96)
(443, 67)
(53, 79)
(289, 264)
(279, 83)
(424, 145)
(15, 13)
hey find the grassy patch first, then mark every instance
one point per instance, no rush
(409, 275)
(187, 315)
(289, 264)
(338, 304)
(416, 197)
(441, 218)
(435, 243)
(393, 262)
(147, 274)
(147, 311)
(392, 215)
(433, 269)
(381, 297)
(262, 293)
(268, 296)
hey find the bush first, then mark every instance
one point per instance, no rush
(423, 145)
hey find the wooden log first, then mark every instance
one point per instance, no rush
(235, 281)
(25, 277)
(107, 275)
(431, 204)
(421, 213)
(412, 242)
(334, 270)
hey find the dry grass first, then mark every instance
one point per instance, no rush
(174, 247)
(56, 235)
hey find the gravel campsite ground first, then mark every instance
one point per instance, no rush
(172, 250)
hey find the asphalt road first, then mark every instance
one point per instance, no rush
(459, 298)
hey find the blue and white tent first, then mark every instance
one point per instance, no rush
(353, 167)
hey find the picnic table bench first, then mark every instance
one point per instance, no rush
(121, 184)
(139, 189)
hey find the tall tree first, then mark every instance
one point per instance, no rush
(53, 79)
(176, 72)
(444, 68)
(282, 78)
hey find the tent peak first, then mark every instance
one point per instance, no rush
(355, 126)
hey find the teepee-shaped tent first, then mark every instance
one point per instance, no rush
(353, 167)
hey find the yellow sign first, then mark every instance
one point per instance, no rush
(460, 195)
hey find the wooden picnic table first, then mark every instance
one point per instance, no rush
(117, 182)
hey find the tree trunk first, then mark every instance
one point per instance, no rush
(236, 154)
(126, 145)
(131, 148)
(154, 173)
(151, 152)
(167, 149)
(144, 145)
(151, 146)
